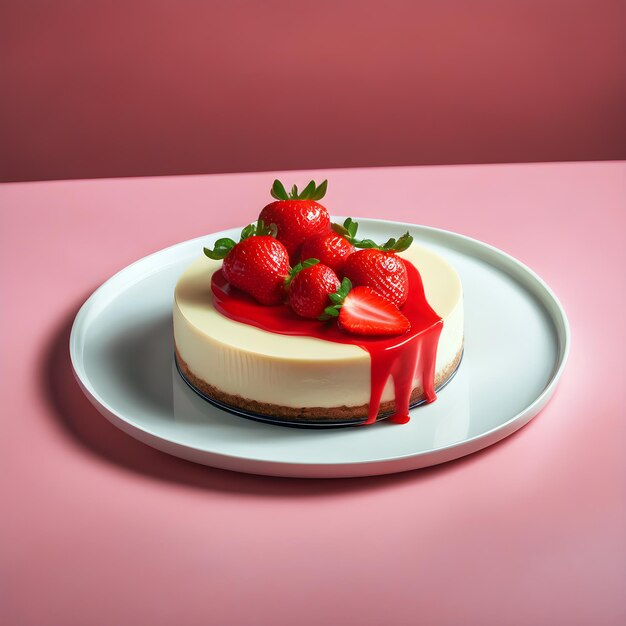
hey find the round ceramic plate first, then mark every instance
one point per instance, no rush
(516, 345)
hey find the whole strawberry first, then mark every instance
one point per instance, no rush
(258, 264)
(380, 268)
(310, 283)
(332, 249)
(297, 215)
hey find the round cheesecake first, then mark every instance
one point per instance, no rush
(299, 378)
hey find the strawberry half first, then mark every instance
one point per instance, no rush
(310, 283)
(378, 267)
(258, 264)
(297, 215)
(362, 311)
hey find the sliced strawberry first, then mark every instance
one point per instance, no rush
(310, 284)
(258, 264)
(297, 215)
(330, 248)
(365, 312)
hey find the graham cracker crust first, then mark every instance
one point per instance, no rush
(326, 414)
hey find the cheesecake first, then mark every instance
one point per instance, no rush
(309, 371)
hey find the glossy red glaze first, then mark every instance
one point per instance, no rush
(399, 357)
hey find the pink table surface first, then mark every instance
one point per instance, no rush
(97, 528)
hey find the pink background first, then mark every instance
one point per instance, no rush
(152, 87)
(99, 529)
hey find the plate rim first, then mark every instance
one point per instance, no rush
(509, 264)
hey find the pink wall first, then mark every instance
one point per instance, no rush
(118, 88)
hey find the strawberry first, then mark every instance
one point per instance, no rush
(380, 268)
(363, 311)
(330, 248)
(310, 284)
(258, 264)
(297, 215)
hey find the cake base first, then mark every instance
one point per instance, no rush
(305, 417)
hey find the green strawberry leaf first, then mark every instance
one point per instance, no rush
(365, 243)
(347, 230)
(403, 243)
(262, 229)
(258, 229)
(391, 245)
(278, 191)
(340, 230)
(296, 269)
(351, 226)
(224, 245)
(320, 191)
(346, 286)
(222, 248)
(330, 311)
(337, 300)
(308, 191)
(248, 231)
(309, 263)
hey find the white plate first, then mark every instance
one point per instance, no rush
(516, 345)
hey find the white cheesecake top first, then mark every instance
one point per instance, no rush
(193, 300)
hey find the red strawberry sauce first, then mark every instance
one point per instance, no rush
(399, 357)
